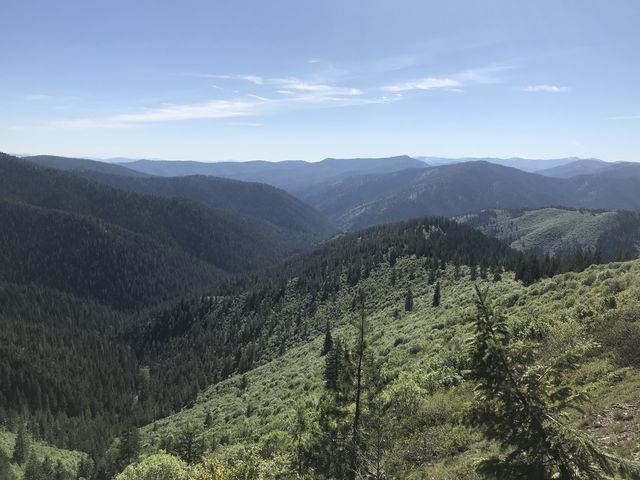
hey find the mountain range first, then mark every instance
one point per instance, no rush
(149, 317)
(358, 201)
(85, 228)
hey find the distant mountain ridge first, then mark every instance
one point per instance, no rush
(356, 202)
(290, 175)
(82, 164)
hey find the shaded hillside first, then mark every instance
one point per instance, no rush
(292, 175)
(64, 369)
(93, 259)
(524, 164)
(226, 240)
(460, 188)
(555, 231)
(82, 165)
(573, 169)
(264, 202)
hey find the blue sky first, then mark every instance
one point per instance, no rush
(297, 79)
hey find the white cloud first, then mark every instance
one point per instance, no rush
(250, 106)
(214, 109)
(545, 88)
(286, 84)
(454, 83)
(429, 83)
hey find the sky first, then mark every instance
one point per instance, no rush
(297, 79)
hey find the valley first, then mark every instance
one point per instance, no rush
(197, 324)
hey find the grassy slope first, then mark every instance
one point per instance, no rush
(421, 344)
(69, 458)
(548, 230)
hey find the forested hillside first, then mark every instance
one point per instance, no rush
(82, 165)
(94, 259)
(461, 188)
(301, 223)
(64, 371)
(354, 359)
(225, 240)
(100, 372)
(293, 417)
(558, 231)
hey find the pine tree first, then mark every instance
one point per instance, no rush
(328, 340)
(190, 445)
(436, 296)
(408, 301)
(332, 363)
(299, 429)
(208, 420)
(129, 447)
(32, 468)
(359, 352)
(519, 403)
(22, 445)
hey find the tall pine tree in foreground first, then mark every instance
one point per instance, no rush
(519, 402)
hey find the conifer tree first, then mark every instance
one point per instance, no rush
(32, 468)
(359, 352)
(408, 301)
(189, 446)
(129, 447)
(332, 364)
(436, 296)
(328, 340)
(519, 403)
(22, 445)
(473, 273)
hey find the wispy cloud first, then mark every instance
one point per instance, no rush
(214, 109)
(249, 106)
(625, 117)
(290, 84)
(455, 82)
(429, 83)
(545, 89)
(275, 94)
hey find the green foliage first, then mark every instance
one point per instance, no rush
(160, 466)
(6, 472)
(518, 403)
(418, 429)
(622, 337)
(562, 231)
